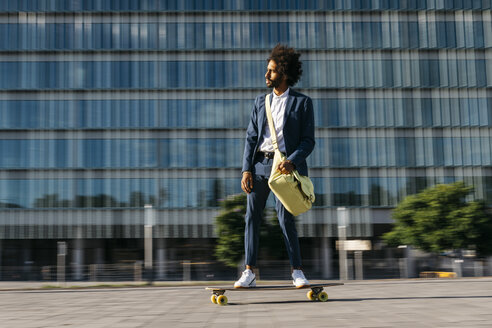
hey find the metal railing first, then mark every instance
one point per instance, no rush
(379, 268)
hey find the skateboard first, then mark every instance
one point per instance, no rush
(316, 292)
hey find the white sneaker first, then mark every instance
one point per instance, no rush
(247, 280)
(299, 279)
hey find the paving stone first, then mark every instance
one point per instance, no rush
(392, 303)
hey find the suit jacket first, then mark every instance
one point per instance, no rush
(298, 130)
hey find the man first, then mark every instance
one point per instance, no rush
(292, 113)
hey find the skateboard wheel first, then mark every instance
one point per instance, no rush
(323, 296)
(222, 300)
(311, 296)
(213, 298)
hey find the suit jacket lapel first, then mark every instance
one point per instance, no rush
(261, 119)
(289, 106)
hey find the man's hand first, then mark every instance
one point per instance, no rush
(247, 182)
(286, 167)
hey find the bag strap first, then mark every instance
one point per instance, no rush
(271, 125)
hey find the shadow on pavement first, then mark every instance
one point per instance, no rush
(270, 302)
(402, 298)
(333, 300)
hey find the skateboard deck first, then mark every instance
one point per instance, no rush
(315, 293)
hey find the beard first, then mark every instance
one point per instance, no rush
(274, 83)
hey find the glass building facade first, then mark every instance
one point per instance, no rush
(106, 106)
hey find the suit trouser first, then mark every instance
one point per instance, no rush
(255, 205)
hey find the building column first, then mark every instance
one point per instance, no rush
(1, 242)
(326, 256)
(411, 270)
(96, 267)
(27, 260)
(488, 265)
(161, 257)
(99, 251)
(78, 255)
(99, 255)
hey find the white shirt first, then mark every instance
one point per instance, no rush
(278, 106)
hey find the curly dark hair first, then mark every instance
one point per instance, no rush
(288, 63)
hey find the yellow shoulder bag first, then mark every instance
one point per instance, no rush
(295, 191)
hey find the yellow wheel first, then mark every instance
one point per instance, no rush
(323, 296)
(311, 295)
(213, 298)
(222, 300)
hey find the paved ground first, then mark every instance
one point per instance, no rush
(399, 303)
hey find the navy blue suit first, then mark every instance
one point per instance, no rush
(299, 143)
